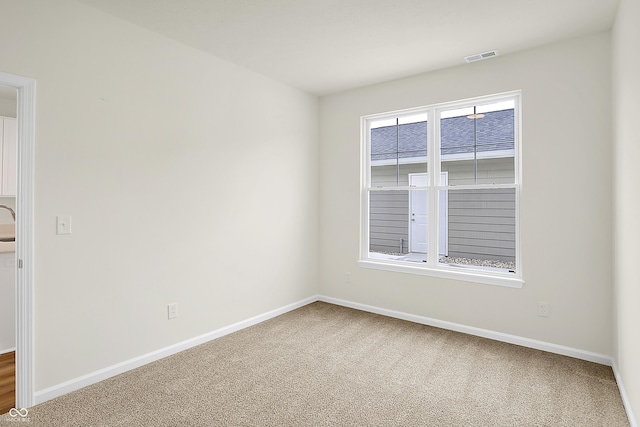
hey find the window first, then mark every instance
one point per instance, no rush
(441, 186)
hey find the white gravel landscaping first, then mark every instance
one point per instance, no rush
(454, 261)
(506, 265)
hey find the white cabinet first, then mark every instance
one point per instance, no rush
(8, 143)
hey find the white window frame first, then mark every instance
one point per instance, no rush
(432, 267)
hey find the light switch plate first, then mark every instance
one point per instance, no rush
(63, 224)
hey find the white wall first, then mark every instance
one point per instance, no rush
(626, 90)
(188, 180)
(566, 196)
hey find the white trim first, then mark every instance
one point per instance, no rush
(471, 330)
(127, 365)
(444, 187)
(502, 337)
(481, 155)
(26, 116)
(475, 275)
(518, 174)
(623, 395)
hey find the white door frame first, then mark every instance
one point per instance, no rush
(443, 210)
(26, 124)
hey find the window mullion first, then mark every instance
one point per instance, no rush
(433, 151)
(397, 151)
(365, 177)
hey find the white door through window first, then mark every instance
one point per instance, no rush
(419, 206)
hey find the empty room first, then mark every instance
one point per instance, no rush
(305, 213)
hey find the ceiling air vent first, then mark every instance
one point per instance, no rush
(481, 56)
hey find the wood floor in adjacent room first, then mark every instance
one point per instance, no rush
(7, 381)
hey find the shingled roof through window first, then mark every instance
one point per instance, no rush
(493, 132)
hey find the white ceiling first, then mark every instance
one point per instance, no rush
(326, 46)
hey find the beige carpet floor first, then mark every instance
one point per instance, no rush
(325, 365)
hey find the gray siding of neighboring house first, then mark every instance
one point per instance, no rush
(481, 222)
(389, 221)
(490, 171)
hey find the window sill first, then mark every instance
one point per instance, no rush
(496, 279)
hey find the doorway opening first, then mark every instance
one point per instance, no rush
(8, 161)
(24, 308)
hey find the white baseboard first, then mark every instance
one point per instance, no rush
(485, 333)
(108, 372)
(623, 394)
(499, 336)
(111, 371)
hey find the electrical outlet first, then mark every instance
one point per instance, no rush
(172, 310)
(543, 309)
(347, 277)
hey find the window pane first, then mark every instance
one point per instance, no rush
(398, 148)
(398, 225)
(481, 229)
(391, 176)
(412, 141)
(481, 171)
(478, 147)
(384, 144)
(388, 221)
